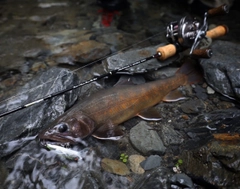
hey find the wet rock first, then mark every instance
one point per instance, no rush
(161, 73)
(114, 166)
(202, 127)
(59, 41)
(154, 179)
(146, 140)
(134, 161)
(182, 180)
(170, 136)
(33, 118)
(117, 40)
(35, 53)
(193, 106)
(200, 92)
(205, 163)
(222, 70)
(122, 59)
(151, 162)
(83, 52)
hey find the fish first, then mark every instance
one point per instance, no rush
(100, 114)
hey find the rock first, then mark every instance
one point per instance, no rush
(134, 161)
(117, 40)
(200, 92)
(151, 162)
(154, 179)
(202, 127)
(170, 136)
(30, 120)
(114, 166)
(216, 165)
(221, 71)
(83, 52)
(182, 180)
(193, 106)
(122, 59)
(146, 140)
(161, 73)
(210, 90)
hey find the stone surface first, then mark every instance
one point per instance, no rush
(83, 52)
(134, 162)
(114, 166)
(170, 136)
(182, 180)
(151, 162)
(193, 106)
(222, 71)
(146, 140)
(36, 117)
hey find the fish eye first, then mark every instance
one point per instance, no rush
(63, 127)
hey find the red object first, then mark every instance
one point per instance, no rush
(107, 16)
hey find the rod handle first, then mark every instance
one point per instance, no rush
(202, 53)
(217, 32)
(223, 9)
(167, 51)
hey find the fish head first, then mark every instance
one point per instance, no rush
(69, 130)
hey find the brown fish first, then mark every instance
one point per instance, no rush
(100, 114)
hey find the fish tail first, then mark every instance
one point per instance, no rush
(192, 70)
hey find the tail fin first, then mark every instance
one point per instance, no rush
(192, 70)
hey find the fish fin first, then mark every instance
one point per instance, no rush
(192, 70)
(108, 131)
(173, 96)
(150, 114)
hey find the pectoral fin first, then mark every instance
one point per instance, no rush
(174, 96)
(108, 131)
(150, 114)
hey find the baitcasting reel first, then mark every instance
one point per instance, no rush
(188, 32)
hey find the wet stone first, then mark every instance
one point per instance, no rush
(182, 180)
(200, 92)
(134, 161)
(221, 71)
(146, 140)
(114, 166)
(170, 136)
(151, 162)
(35, 117)
(83, 52)
(193, 106)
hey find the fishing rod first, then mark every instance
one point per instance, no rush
(187, 33)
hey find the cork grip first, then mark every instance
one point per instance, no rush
(167, 51)
(217, 32)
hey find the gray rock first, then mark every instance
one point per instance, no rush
(193, 106)
(182, 180)
(33, 118)
(170, 136)
(151, 162)
(146, 140)
(222, 71)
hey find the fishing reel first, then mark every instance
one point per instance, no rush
(189, 31)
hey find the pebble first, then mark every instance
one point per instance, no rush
(210, 90)
(146, 140)
(114, 166)
(135, 161)
(151, 162)
(182, 179)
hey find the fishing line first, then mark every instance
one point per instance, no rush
(75, 70)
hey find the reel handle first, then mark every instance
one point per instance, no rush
(217, 32)
(223, 9)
